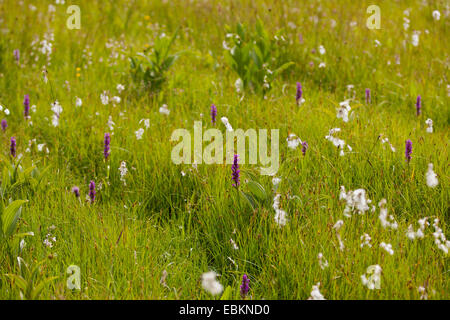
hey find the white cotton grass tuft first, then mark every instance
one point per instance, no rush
(164, 110)
(420, 233)
(315, 293)
(337, 226)
(226, 123)
(429, 124)
(436, 15)
(439, 237)
(365, 238)
(293, 141)
(139, 133)
(210, 284)
(372, 278)
(431, 177)
(387, 247)
(339, 143)
(280, 215)
(386, 221)
(384, 140)
(104, 98)
(343, 110)
(78, 102)
(123, 172)
(323, 263)
(356, 201)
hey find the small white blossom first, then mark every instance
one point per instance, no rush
(210, 284)
(431, 177)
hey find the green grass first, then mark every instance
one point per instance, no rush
(162, 220)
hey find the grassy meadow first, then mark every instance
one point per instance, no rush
(139, 70)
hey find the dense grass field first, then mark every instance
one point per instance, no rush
(153, 231)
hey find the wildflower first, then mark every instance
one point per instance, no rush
(116, 100)
(106, 150)
(355, 201)
(415, 39)
(213, 114)
(323, 263)
(92, 191)
(429, 124)
(244, 286)
(235, 171)
(26, 105)
(78, 102)
(164, 110)
(408, 150)
(13, 147)
(339, 143)
(233, 244)
(387, 247)
(57, 110)
(104, 98)
(123, 172)
(298, 97)
(374, 280)
(322, 50)
(419, 105)
(439, 237)
(368, 97)
(315, 293)
(210, 284)
(76, 191)
(431, 177)
(304, 147)
(110, 123)
(226, 123)
(386, 221)
(436, 15)
(343, 110)
(322, 65)
(120, 88)
(293, 141)
(420, 233)
(139, 133)
(16, 53)
(146, 123)
(4, 124)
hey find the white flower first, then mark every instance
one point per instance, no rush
(123, 172)
(280, 217)
(293, 141)
(343, 110)
(337, 226)
(110, 123)
(78, 102)
(429, 124)
(377, 43)
(387, 247)
(104, 98)
(164, 110)
(355, 201)
(146, 123)
(120, 88)
(139, 133)
(431, 177)
(322, 65)
(322, 50)
(233, 244)
(210, 284)
(239, 85)
(57, 110)
(6, 112)
(384, 219)
(315, 293)
(415, 39)
(226, 123)
(374, 279)
(436, 15)
(116, 99)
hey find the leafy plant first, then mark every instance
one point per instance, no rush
(254, 57)
(149, 68)
(30, 281)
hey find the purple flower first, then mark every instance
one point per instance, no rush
(245, 286)
(26, 105)
(4, 124)
(408, 150)
(16, 55)
(92, 191)
(304, 147)
(213, 114)
(419, 105)
(235, 171)
(106, 152)
(298, 97)
(76, 191)
(368, 98)
(13, 147)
